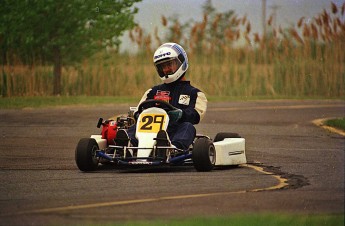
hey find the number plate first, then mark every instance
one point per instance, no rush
(151, 123)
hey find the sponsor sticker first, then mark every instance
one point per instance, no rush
(184, 99)
(163, 95)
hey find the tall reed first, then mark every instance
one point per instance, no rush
(304, 60)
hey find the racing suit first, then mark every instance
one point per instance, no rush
(182, 95)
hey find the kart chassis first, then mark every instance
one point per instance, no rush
(204, 153)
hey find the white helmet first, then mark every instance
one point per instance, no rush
(170, 54)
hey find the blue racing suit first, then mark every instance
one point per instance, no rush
(182, 95)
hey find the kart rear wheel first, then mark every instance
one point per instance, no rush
(204, 155)
(85, 154)
(222, 136)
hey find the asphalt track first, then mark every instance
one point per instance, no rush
(293, 166)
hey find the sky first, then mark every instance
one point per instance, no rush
(288, 12)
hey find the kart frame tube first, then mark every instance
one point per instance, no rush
(185, 155)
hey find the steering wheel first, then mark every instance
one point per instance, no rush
(155, 103)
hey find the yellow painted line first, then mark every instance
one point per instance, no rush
(281, 184)
(93, 205)
(275, 107)
(320, 122)
(128, 202)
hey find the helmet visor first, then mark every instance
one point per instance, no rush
(167, 67)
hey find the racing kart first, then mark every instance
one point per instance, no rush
(152, 116)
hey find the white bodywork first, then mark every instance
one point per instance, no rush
(230, 151)
(150, 122)
(102, 143)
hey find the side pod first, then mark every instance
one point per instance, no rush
(230, 151)
(102, 143)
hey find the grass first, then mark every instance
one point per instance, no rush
(240, 220)
(337, 123)
(53, 101)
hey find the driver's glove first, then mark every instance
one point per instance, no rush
(175, 115)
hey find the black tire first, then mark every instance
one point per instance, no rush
(222, 136)
(85, 154)
(203, 155)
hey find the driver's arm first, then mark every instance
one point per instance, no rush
(145, 96)
(196, 110)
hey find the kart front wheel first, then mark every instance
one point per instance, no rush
(203, 155)
(85, 154)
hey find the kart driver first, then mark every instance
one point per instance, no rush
(171, 63)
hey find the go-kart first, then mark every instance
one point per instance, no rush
(152, 116)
